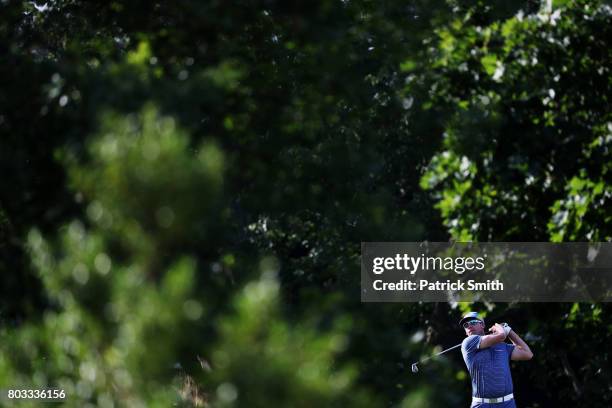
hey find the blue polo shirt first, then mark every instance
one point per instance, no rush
(490, 371)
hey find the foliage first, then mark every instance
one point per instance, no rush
(529, 137)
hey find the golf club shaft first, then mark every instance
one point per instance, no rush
(437, 354)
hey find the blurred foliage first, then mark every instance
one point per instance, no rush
(187, 184)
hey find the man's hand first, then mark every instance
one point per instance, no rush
(498, 336)
(507, 328)
(499, 329)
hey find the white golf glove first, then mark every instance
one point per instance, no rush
(507, 328)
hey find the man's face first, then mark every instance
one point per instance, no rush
(473, 327)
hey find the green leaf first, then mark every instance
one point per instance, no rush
(489, 62)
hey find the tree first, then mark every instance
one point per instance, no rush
(525, 158)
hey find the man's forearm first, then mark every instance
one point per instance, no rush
(489, 340)
(518, 342)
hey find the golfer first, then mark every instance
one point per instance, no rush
(487, 358)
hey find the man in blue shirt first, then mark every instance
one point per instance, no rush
(487, 358)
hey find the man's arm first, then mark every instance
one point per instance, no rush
(498, 336)
(521, 349)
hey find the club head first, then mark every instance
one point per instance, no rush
(415, 369)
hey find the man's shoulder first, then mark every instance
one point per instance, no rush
(470, 342)
(470, 338)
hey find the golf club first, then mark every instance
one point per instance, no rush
(415, 369)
